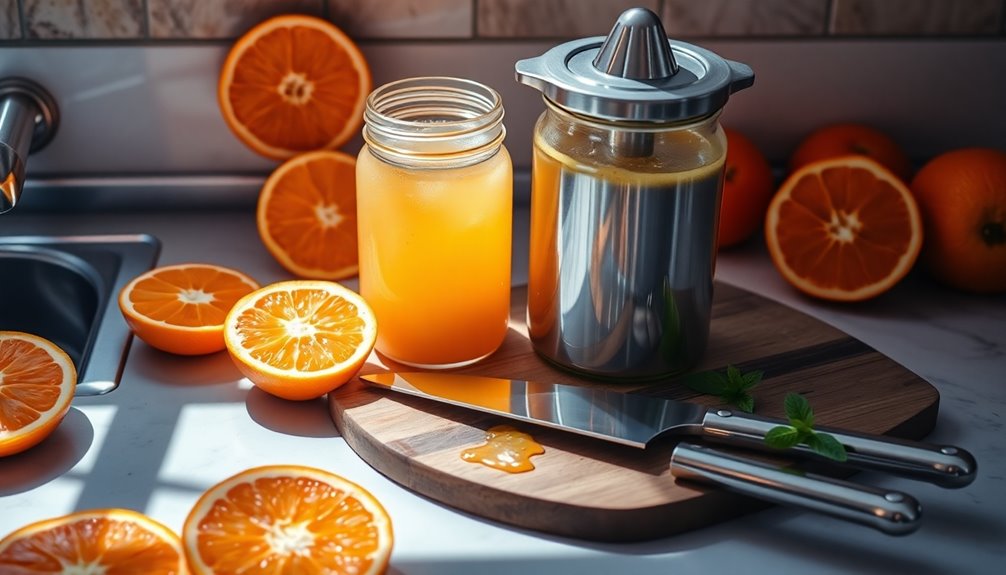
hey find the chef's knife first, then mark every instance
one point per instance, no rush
(634, 419)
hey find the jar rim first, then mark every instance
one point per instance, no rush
(434, 119)
(489, 98)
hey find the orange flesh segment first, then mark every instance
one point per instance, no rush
(119, 547)
(837, 238)
(329, 526)
(316, 112)
(36, 388)
(303, 330)
(312, 218)
(179, 297)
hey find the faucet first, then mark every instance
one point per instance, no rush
(28, 120)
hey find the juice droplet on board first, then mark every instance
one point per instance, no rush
(506, 449)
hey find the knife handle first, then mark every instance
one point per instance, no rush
(943, 465)
(891, 512)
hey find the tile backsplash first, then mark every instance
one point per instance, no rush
(62, 19)
(151, 67)
(34, 21)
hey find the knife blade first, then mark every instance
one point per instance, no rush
(635, 420)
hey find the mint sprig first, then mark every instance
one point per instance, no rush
(732, 387)
(801, 430)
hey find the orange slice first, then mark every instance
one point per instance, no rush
(307, 215)
(107, 541)
(287, 520)
(292, 84)
(181, 308)
(37, 381)
(300, 339)
(844, 229)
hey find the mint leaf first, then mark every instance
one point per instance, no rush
(782, 437)
(804, 429)
(751, 379)
(731, 387)
(744, 403)
(798, 409)
(801, 430)
(809, 438)
(735, 381)
(826, 445)
(708, 382)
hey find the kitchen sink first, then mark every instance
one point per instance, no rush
(64, 288)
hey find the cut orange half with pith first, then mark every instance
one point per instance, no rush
(287, 520)
(105, 541)
(843, 229)
(307, 215)
(300, 339)
(181, 308)
(37, 381)
(292, 84)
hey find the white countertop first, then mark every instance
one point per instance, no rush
(177, 425)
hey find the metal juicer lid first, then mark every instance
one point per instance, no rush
(635, 74)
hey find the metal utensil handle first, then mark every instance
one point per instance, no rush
(891, 512)
(943, 465)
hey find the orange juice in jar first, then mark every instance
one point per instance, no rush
(434, 207)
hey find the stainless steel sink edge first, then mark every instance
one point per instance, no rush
(103, 358)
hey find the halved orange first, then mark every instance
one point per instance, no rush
(843, 229)
(300, 339)
(181, 308)
(37, 381)
(292, 84)
(287, 520)
(106, 541)
(307, 215)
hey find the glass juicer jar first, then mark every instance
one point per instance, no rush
(627, 173)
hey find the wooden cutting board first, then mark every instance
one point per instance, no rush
(590, 489)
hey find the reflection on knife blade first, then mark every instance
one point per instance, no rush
(636, 420)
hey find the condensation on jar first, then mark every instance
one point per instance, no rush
(435, 205)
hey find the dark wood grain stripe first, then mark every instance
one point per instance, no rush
(806, 357)
(776, 365)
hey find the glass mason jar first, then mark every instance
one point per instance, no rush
(434, 207)
(623, 242)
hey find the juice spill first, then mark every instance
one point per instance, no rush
(505, 449)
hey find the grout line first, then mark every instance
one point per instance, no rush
(376, 41)
(145, 27)
(475, 18)
(754, 39)
(829, 16)
(22, 19)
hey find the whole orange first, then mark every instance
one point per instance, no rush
(843, 139)
(962, 197)
(747, 190)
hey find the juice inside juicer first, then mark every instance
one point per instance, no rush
(626, 183)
